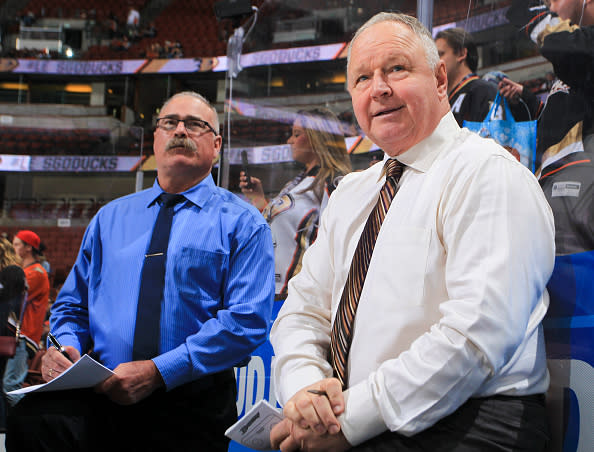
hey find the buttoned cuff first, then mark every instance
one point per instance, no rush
(361, 419)
(174, 369)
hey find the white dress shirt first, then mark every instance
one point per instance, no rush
(454, 295)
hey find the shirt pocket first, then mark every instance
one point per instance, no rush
(200, 274)
(398, 267)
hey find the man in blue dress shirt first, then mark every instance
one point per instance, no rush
(215, 309)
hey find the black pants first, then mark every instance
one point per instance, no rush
(496, 423)
(192, 417)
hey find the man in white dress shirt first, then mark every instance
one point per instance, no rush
(447, 351)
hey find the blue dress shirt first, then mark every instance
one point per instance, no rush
(219, 283)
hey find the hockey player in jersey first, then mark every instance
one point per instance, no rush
(565, 137)
(317, 143)
(470, 97)
(565, 35)
(565, 151)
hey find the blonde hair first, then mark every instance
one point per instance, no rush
(326, 137)
(8, 255)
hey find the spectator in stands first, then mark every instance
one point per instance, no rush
(470, 97)
(317, 142)
(44, 54)
(173, 49)
(168, 50)
(133, 19)
(524, 104)
(28, 246)
(566, 124)
(29, 19)
(152, 51)
(13, 287)
(133, 23)
(122, 43)
(150, 31)
(111, 25)
(174, 385)
(565, 155)
(176, 50)
(444, 298)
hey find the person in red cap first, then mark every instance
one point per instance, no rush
(28, 246)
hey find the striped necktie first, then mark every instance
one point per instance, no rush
(342, 328)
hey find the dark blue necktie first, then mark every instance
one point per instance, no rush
(152, 282)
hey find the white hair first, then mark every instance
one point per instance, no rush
(202, 99)
(413, 23)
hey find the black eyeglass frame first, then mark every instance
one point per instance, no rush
(202, 121)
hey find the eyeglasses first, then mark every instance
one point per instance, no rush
(192, 125)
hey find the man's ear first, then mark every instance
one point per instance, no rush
(218, 142)
(441, 80)
(462, 55)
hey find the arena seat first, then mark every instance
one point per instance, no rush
(80, 208)
(173, 24)
(53, 208)
(36, 141)
(22, 208)
(73, 8)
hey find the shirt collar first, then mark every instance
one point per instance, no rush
(422, 155)
(199, 194)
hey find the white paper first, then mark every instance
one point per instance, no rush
(85, 373)
(253, 429)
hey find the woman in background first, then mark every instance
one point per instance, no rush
(317, 142)
(12, 289)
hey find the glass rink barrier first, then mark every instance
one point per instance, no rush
(299, 66)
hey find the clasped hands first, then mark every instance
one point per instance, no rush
(311, 420)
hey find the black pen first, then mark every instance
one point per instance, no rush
(318, 392)
(59, 347)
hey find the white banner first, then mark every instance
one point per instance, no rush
(70, 67)
(261, 154)
(14, 162)
(83, 163)
(172, 65)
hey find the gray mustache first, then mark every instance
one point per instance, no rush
(181, 142)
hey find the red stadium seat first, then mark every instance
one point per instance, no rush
(23, 208)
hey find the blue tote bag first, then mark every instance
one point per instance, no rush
(518, 137)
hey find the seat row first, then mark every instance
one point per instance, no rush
(51, 208)
(36, 141)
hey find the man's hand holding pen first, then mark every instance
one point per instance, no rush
(53, 362)
(311, 419)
